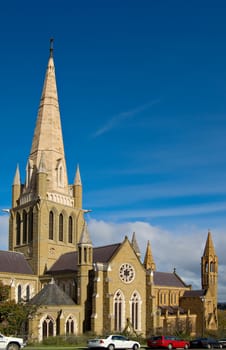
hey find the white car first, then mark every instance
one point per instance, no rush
(112, 342)
(11, 343)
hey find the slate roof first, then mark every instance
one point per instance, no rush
(194, 293)
(168, 279)
(51, 294)
(69, 262)
(13, 262)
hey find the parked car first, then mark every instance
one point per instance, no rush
(223, 342)
(207, 343)
(168, 341)
(112, 342)
(11, 343)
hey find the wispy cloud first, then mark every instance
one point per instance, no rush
(148, 192)
(118, 118)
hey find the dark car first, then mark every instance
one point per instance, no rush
(167, 341)
(207, 343)
(223, 342)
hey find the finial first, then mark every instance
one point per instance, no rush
(51, 47)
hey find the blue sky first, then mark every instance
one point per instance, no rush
(142, 92)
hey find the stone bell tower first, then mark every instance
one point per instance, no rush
(46, 216)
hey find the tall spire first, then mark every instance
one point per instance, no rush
(48, 133)
(16, 180)
(149, 263)
(77, 180)
(209, 247)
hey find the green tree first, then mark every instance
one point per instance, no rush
(13, 316)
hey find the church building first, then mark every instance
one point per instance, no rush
(53, 263)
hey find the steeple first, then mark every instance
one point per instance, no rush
(85, 237)
(16, 180)
(47, 210)
(77, 188)
(209, 247)
(48, 135)
(16, 188)
(77, 180)
(209, 266)
(149, 263)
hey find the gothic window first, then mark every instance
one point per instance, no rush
(135, 310)
(206, 267)
(30, 226)
(85, 255)
(70, 326)
(24, 227)
(60, 173)
(18, 228)
(79, 255)
(211, 267)
(28, 293)
(47, 327)
(51, 225)
(119, 307)
(70, 229)
(61, 228)
(19, 293)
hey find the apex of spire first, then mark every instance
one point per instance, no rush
(51, 47)
(135, 245)
(209, 247)
(77, 180)
(85, 237)
(16, 180)
(149, 263)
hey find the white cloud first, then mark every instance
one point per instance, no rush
(4, 224)
(181, 249)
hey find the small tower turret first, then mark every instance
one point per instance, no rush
(209, 266)
(77, 189)
(149, 263)
(16, 190)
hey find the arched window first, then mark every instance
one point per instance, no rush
(135, 310)
(61, 228)
(70, 326)
(47, 328)
(206, 267)
(211, 267)
(119, 309)
(51, 225)
(24, 227)
(19, 293)
(28, 293)
(70, 228)
(18, 227)
(30, 226)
